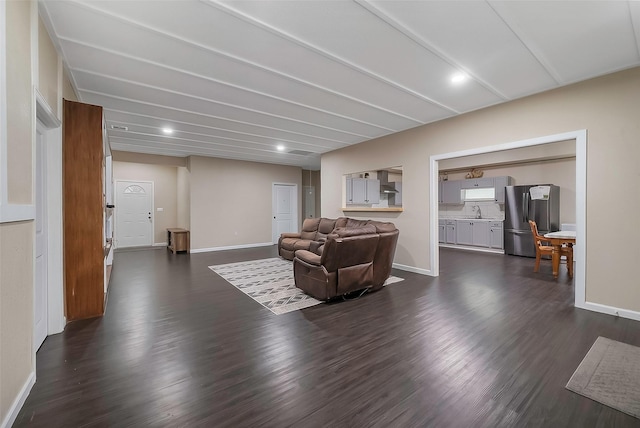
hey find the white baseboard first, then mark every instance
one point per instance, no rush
(412, 269)
(12, 414)
(468, 248)
(232, 247)
(160, 244)
(610, 310)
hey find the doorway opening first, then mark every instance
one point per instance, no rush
(580, 138)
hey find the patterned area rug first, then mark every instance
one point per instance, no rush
(610, 374)
(270, 283)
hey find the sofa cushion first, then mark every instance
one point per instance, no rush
(302, 244)
(324, 228)
(383, 226)
(344, 232)
(293, 244)
(309, 228)
(341, 222)
(352, 222)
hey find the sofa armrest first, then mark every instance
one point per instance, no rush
(308, 257)
(314, 245)
(290, 235)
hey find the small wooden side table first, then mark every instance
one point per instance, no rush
(178, 239)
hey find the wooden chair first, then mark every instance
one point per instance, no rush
(547, 250)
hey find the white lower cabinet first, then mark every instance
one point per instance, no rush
(481, 233)
(496, 235)
(464, 232)
(472, 232)
(450, 232)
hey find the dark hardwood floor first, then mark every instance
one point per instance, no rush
(487, 344)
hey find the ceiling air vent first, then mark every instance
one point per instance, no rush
(300, 152)
(119, 128)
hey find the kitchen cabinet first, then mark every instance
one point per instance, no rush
(450, 192)
(442, 227)
(472, 232)
(496, 235)
(363, 191)
(499, 183)
(476, 182)
(450, 232)
(464, 232)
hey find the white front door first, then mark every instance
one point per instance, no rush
(285, 210)
(40, 301)
(134, 214)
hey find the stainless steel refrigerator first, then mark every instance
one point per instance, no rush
(519, 209)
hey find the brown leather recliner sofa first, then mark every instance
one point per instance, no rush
(356, 255)
(314, 233)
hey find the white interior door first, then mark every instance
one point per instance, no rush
(40, 303)
(285, 210)
(134, 214)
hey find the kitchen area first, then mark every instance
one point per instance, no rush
(485, 202)
(470, 214)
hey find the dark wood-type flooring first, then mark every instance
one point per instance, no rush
(487, 344)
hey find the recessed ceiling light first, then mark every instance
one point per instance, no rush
(167, 131)
(459, 78)
(280, 148)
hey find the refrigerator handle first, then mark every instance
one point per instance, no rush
(526, 198)
(524, 211)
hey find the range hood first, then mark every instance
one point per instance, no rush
(385, 185)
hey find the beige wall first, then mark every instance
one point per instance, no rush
(148, 159)
(68, 93)
(231, 200)
(47, 62)
(607, 107)
(16, 239)
(164, 180)
(184, 198)
(561, 172)
(559, 150)
(312, 178)
(19, 102)
(16, 310)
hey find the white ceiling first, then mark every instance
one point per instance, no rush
(236, 79)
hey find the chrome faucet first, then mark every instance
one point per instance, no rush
(478, 212)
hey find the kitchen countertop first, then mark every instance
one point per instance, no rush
(470, 218)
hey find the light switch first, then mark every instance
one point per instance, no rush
(159, 209)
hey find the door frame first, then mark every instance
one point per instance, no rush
(115, 211)
(274, 238)
(580, 138)
(41, 204)
(49, 126)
